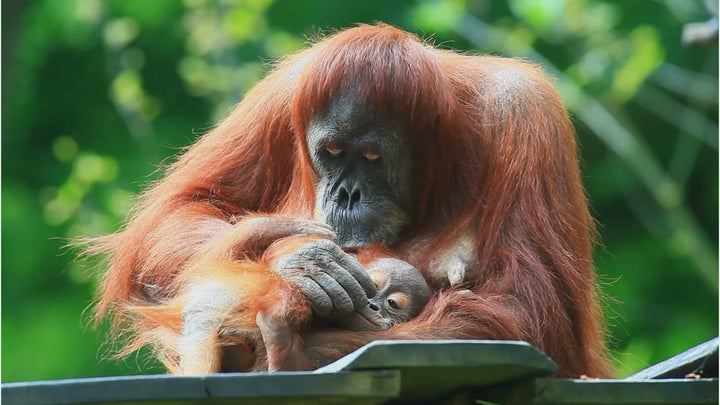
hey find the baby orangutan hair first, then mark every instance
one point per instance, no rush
(261, 326)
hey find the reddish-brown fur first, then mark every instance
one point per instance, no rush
(262, 291)
(495, 153)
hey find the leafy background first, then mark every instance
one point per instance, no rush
(98, 94)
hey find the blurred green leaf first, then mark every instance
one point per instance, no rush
(118, 33)
(243, 24)
(439, 16)
(540, 14)
(65, 148)
(646, 56)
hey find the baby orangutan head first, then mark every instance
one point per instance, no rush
(402, 294)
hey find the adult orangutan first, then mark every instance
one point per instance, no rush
(465, 166)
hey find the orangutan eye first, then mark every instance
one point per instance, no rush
(334, 150)
(371, 156)
(392, 303)
(398, 301)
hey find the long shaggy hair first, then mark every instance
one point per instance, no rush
(493, 151)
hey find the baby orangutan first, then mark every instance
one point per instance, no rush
(235, 316)
(401, 295)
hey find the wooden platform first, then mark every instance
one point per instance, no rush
(473, 372)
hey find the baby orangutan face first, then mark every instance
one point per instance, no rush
(402, 294)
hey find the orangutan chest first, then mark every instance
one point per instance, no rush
(457, 262)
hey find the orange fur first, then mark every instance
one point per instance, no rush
(262, 291)
(494, 152)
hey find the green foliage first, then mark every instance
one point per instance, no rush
(98, 94)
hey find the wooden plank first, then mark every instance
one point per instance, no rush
(547, 391)
(367, 387)
(396, 371)
(484, 372)
(435, 369)
(686, 362)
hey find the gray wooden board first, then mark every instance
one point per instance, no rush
(680, 365)
(434, 369)
(619, 392)
(367, 387)
(549, 391)
(396, 371)
(381, 372)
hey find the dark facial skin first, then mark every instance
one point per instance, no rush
(402, 294)
(363, 173)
